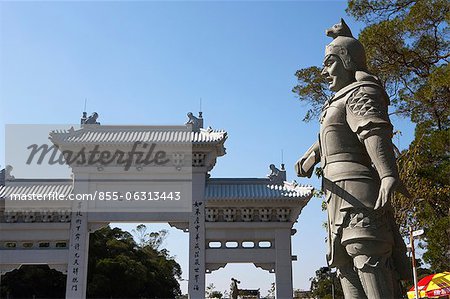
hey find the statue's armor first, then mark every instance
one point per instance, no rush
(352, 114)
(356, 112)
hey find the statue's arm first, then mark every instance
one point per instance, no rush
(367, 116)
(304, 167)
(380, 150)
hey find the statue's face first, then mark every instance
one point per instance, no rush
(336, 74)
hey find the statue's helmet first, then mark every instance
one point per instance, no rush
(351, 52)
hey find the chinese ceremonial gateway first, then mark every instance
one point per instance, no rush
(229, 220)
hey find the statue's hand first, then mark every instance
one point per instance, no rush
(387, 188)
(305, 165)
(298, 167)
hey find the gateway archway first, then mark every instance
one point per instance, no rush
(233, 220)
(245, 274)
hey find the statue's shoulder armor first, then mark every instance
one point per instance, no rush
(368, 100)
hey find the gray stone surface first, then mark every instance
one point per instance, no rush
(359, 174)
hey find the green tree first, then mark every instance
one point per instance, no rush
(119, 268)
(408, 48)
(212, 293)
(33, 281)
(153, 239)
(425, 168)
(216, 294)
(323, 283)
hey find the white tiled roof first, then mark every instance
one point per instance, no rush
(34, 187)
(252, 189)
(216, 189)
(100, 134)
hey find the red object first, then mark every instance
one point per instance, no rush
(433, 286)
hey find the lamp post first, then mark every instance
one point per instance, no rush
(332, 284)
(412, 235)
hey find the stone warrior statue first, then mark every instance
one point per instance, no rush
(359, 174)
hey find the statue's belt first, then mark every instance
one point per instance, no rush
(346, 157)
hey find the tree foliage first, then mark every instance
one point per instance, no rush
(33, 280)
(312, 89)
(117, 268)
(408, 48)
(152, 239)
(322, 284)
(425, 168)
(211, 292)
(407, 44)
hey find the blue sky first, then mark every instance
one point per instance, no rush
(151, 62)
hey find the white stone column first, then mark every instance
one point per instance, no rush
(197, 239)
(283, 264)
(76, 284)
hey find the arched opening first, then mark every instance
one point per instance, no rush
(249, 277)
(176, 242)
(33, 281)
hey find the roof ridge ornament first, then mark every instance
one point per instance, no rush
(195, 123)
(277, 176)
(91, 120)
(8, 176)
(207, 130)
(5, 175)
(296, 187)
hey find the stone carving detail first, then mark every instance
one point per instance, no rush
(29, 216)
(229, 215)
(247, 214)
(277, 176)
(41, 244)
(36, 216)
(283, 214)
(184, 226)
(339, 29)
(10, 216)
(213, 267)
(266, 266)
(91, 120)
(178, 160)
(47, 216)
(8, 175)
(211, 215)
(195, 122)
(198, 159)
(265, 214)
(64, 216)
